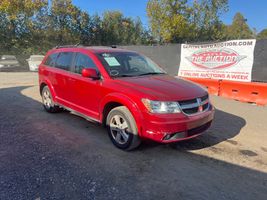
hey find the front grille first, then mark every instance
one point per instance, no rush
(191, 110)
(194, 106)
(182, 103)
(204, 98)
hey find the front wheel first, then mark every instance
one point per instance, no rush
(122, 128)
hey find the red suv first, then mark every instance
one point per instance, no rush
(127, 92)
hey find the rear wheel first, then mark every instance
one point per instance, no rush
(122, 128)
(48, 102)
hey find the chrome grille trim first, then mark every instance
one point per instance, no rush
(188, 106)
(198, 104)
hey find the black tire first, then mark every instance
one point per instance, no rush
(117, 132)
(49, 106)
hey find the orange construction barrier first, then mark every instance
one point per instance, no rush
(212, 85)
(251, 92)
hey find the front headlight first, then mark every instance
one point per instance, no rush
(161, 106)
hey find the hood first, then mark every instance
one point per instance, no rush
(163, 87)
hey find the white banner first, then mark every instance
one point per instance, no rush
(231, 60)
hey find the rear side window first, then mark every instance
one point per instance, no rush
(64, 60)
(83, 61)
(51, 60)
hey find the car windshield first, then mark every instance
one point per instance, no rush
(128, 64)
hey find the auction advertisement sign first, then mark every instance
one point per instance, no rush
(231, 60)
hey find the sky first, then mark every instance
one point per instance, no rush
(255, 11)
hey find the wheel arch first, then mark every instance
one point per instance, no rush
(42, 85)
(114, 100)
(51, 88)
(107, 108)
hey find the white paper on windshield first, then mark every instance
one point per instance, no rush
(112, 61)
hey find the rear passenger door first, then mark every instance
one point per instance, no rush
(62, 84)
(46, 71)
(85, 93)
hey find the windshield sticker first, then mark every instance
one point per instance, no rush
(112, 61)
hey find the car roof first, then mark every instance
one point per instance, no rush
(100, 49)
(93, 49)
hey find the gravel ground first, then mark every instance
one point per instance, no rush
(62, 156)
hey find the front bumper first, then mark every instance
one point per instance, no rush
(167, 128)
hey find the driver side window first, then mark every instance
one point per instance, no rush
(83, 61)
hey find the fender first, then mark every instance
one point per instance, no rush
(51, 88)
(126, 101)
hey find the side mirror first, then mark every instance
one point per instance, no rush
(90, 73)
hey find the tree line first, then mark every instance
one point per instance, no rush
(175, 21)
(31, 26)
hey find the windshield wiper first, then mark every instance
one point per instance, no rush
(123, 75)
(134, 75)
(150, 73)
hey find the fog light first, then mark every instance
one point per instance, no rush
(175, 136)
(167, 137)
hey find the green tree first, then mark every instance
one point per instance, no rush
(4, 35)
(206, 19)
(179, 21)
(97, 33)
(169, 20)
(262, 35)
(15, 8)
(112, 27)
(118, 29)
(34, 26)
(61, 21)
(239, 28)
(16, 19)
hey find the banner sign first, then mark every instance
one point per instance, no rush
(230, 60)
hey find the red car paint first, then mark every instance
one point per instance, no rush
(91, 97)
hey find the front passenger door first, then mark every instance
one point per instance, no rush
(85, 91)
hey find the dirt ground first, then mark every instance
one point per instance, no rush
(62, 156)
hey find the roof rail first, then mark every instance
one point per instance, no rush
(78, 45)
(68, 46)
